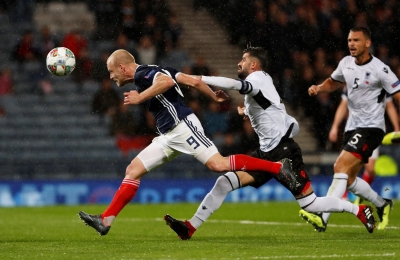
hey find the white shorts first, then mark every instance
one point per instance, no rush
(375, 154)
(187, 137)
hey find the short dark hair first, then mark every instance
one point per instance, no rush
(364, 30)
(258, 53)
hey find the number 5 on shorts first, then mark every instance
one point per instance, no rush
(355, 140)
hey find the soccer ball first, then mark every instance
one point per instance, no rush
(60, 61)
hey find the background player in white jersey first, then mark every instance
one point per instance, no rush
(275, 129)
(367, 80)
(341, 114)
(180, 132)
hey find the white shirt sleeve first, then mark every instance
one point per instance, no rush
(222, 82)
(337, 75)
(389, 80)
(388, 98)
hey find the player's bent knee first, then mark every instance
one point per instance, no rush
(211, 166)
(135, 170)
(336, 167)
(339, 167)
(215, 166)
(218, 163)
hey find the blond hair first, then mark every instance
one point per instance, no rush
(121, 57)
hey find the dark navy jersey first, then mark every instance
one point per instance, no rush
(167, 108)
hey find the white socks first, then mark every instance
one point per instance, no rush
(337, 189)
(315, 204)
(213, 200)
(361, 188)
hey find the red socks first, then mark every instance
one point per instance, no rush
(123, 196)
(367, 178)
(241, 162)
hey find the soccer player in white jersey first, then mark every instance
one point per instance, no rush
(275, 129)
(341, 114)
(179, 128)
(367, 80)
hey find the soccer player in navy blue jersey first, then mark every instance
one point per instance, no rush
(179, 128)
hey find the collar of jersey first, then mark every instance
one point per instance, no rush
(366, 62)
(134, 73)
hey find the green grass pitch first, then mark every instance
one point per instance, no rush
(271, 230)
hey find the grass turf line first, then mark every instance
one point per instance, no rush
(138, 233)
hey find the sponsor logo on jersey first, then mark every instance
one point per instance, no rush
(386, 70)
(396, 84)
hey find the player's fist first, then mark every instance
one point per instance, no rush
(132, 98)
(241, 111)
(333, 135)
(313, 90)
(220, 96)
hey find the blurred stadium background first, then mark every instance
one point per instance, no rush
(68, 140)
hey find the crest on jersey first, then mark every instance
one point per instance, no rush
(385, 70)
(367, 74)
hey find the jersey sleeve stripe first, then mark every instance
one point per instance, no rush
(395, 92)
(169, 106)
(336, 80)
(246, 87)
(155, 76)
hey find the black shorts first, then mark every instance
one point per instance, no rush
(287, 148)
(362, 142)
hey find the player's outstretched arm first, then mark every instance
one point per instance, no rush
(161, 84)
(222, 82)
(340, 115)
(329, 85)
(195, 82)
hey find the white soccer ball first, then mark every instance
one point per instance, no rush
(60, 61)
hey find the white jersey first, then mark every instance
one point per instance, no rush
(266, 111)
(367, 85)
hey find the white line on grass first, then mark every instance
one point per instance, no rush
(323, 256)
(251, 222)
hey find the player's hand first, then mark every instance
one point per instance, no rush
(132, 98)
(241, 112)
(313, 90)
(220, 96)
(333, 135)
